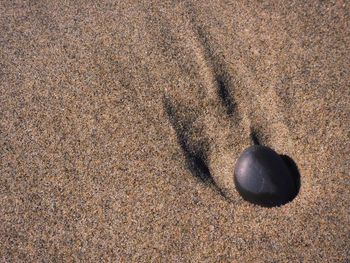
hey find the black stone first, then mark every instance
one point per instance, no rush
(262, 177)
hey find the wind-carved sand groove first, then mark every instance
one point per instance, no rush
(219, 72)
(216, 118)
(225, 96)
(196, 155)
(225, 88)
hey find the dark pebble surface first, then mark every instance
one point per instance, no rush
(262, 177)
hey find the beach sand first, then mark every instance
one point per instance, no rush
(111, 112)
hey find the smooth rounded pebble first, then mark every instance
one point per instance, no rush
(262, 177)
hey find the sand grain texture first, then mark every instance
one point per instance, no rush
(107, 109)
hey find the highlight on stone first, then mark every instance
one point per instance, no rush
(262, 177)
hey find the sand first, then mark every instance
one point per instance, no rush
(103, 106)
